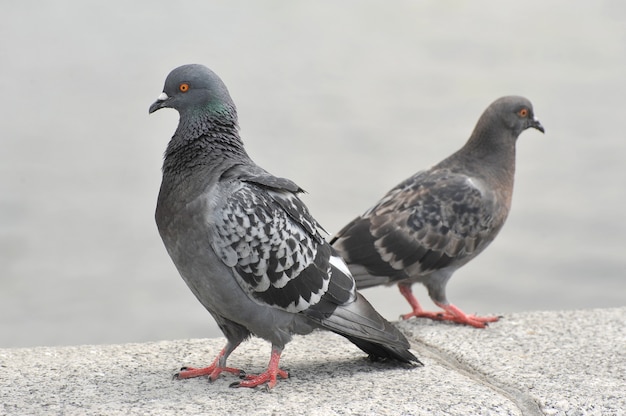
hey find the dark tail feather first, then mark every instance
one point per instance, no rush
(379, 351)
(364, 327)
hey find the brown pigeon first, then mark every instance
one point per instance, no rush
(439, 219)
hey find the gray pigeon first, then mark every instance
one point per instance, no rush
(439, 219)
(244, 242)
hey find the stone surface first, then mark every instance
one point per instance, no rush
(566, 362)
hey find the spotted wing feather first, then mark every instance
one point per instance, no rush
(276, 251)
(428, 222)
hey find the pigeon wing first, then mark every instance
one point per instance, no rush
(425, 223)
(275, 250)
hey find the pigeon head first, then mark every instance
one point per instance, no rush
(195, 89)
(516, 113)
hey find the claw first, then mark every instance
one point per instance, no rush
(213, 371)
(177, 375)
(268, 377)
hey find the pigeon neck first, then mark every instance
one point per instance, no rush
(491, 152)
(198, 122)
(204, 143)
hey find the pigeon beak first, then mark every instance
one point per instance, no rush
(535, 124)
(160, 102)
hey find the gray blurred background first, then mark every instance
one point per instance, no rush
(346, 98)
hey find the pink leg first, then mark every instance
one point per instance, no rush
(269, 376)
(418, 312)
(213, 371)
(451, 312)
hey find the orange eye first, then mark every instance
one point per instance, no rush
(523, 112)
(184, 87)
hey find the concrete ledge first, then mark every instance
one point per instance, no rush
(570, 363)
